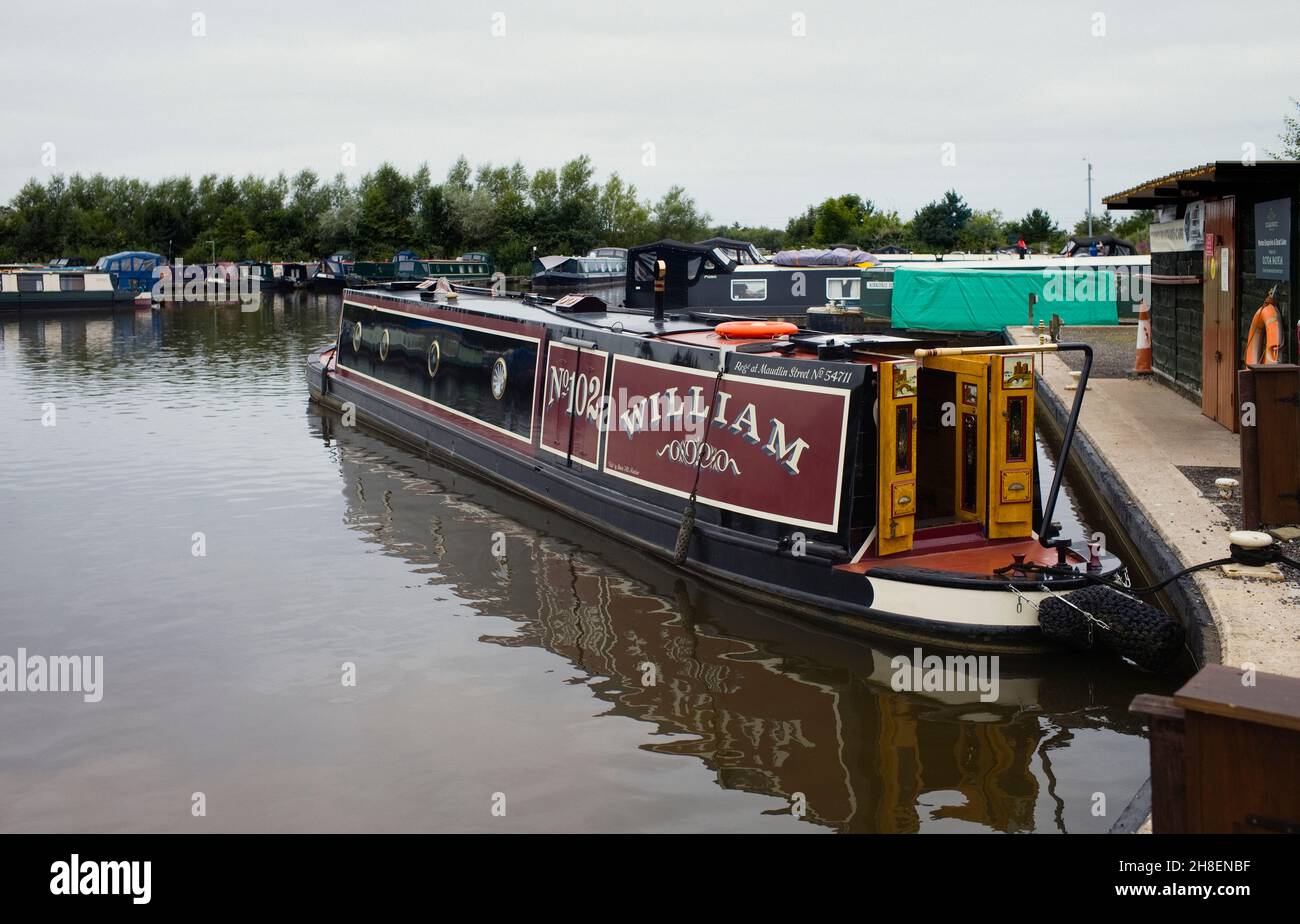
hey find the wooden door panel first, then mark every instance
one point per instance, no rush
(1219, 358)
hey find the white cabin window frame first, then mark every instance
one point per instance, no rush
(746, 283)
(855, 285)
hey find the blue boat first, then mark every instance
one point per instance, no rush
(132, 270)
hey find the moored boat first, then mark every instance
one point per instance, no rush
(277, 276)
(335, 273)
(875, 482)
(731, 277)
(28, 290)
(601, 267)
(467, 269)
(132, 270)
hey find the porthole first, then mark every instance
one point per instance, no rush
(435, 358)
(383, 346)
(499, 376)
(356, 338)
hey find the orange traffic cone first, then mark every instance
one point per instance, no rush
(1143, 364)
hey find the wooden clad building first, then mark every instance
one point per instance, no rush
(1223, 237)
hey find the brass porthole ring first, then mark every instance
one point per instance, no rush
(499, 376)
(383, 346)
(435, 358)
(356, 338)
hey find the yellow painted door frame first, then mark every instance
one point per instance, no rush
(970, 401)
(1011, 461)
(896, 504)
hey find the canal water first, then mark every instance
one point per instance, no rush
(171, 502)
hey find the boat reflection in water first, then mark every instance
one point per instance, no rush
(770, 705)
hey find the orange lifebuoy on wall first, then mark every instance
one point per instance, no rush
(755, 330)
(1264, 342)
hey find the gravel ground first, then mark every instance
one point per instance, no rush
(1203, 478)
(1113, 349)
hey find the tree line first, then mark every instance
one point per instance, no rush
(503, 210)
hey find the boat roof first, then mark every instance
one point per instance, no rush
(691, 328)
(131, 253)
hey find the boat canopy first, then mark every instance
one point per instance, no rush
(1107, 246)
(129, 261)
(742, 252)
(687, 262)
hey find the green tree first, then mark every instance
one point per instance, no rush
(985, 232)
(387, 209)
(1038, 229)
(1290, 136)
(676, 216)
(1136, 228)
(937, 224)
(1102, 223)
(622, 219)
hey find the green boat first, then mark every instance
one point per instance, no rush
(470, 268)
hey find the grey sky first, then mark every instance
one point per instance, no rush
(757, 123)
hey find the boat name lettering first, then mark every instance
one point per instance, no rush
(667, 410)
(804, 372)
(693, 452)
(582, 391)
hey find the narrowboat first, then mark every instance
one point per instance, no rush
(335, 273)
(467, 269)
(132, 270)
(731, 277)
(878, 483)
(273, 277)
(204, 283)
(27, 290)
(602, 267)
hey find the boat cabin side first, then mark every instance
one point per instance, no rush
(849, 442)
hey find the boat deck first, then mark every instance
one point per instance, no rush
(961, 549)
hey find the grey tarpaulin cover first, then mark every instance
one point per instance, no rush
(840, 256)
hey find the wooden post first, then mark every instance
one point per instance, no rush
(1241, 751)
(1249, 451)
(1270, 444)
(1168, 768)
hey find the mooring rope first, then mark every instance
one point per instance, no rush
(1239, 555)
(688, 515)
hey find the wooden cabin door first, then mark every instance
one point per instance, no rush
(1012, 450)
(1219, 327)
(970, 494)
(896, 507)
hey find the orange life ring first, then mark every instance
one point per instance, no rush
(1265, 339)
(755, 330)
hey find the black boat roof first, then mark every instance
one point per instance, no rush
(626, 322)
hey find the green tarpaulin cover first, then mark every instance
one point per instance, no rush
(993, 299)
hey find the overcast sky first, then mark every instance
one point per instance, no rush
(757, 122)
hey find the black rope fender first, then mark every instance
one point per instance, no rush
(1109, 615)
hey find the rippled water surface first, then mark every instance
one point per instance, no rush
(474, 676)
